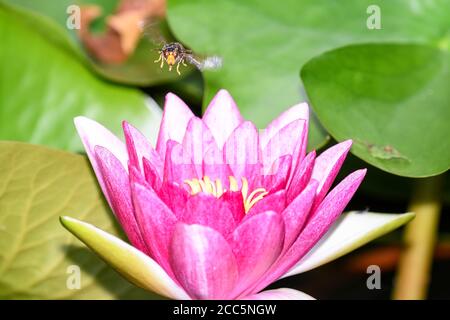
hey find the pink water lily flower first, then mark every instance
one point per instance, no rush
(219, 210)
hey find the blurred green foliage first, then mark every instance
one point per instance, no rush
(138, 70)
(44, 86)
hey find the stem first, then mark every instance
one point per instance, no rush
(420, 235)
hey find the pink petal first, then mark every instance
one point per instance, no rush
(299, 111)
(300, 177)
(331, 207)
(203, 262)
(327, 166)
(235, 203)
(174, 196)
(328, 211)
(241, 152)
(214, 165)
(209, 211)
(278, 175)
(297, 212)
(138, 147)
(222, 116)
(279, 294)
(256, 244)
(178, 165)
(197, 141)
(157, 223)
(272, 202)
(93, 134)
(175, 119)
(287, 141)
(117, 188)
(135, 175)
(151, 174)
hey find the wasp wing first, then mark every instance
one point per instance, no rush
(207, 63)
(151, 30)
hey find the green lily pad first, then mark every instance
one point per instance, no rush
(44, 86)
(139, 69)
(38, 256)
(265, 43)
(57, 10)
(392, 100)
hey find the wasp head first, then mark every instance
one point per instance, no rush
(171, 53)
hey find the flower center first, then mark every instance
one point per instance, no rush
(215, 188)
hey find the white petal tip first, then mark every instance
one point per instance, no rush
(280, 294)
(80, 120)
(351, 231)
(223, 92)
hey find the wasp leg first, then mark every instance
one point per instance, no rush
(184, 63)
(170, 67)
(160, 59)
(178, 67)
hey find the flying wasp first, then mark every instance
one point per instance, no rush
(174, 53)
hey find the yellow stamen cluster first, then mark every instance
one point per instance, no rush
(206, 185)
(215, 188)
